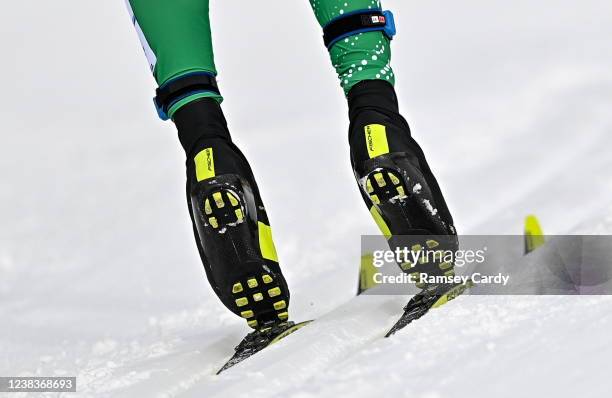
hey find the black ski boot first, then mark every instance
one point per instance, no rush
(229, 220)
(402, 194)
(394, 178)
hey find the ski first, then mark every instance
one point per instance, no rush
(366, 280)
(260, 339)
(533, 237)
(422, 302)
(418, 306)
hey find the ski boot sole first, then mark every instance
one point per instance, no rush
(389, 193)
(384, 186)
(223, 209)
(261, 300)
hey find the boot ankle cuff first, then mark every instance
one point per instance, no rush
(372, 94)
(198, 120)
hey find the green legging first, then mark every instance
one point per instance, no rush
(175, 35)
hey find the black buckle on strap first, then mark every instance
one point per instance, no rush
(176, 89)
(358, 22)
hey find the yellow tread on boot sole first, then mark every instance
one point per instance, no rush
(263, 306)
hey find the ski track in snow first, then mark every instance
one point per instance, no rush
(99, 277)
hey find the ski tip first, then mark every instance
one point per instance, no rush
(532, 225)
(270, 337)
(392, 331)
(366, 273)
(534, 236)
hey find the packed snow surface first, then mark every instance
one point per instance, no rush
(99, 275)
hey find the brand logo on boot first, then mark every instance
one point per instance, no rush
(376, 140)
(205, 164)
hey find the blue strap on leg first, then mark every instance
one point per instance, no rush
(359, 21)
(182, 87)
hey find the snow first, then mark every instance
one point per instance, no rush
(99, 276)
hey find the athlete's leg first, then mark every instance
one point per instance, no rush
(175, 36)
(395, 181)
(229, 220)
(356, 57)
